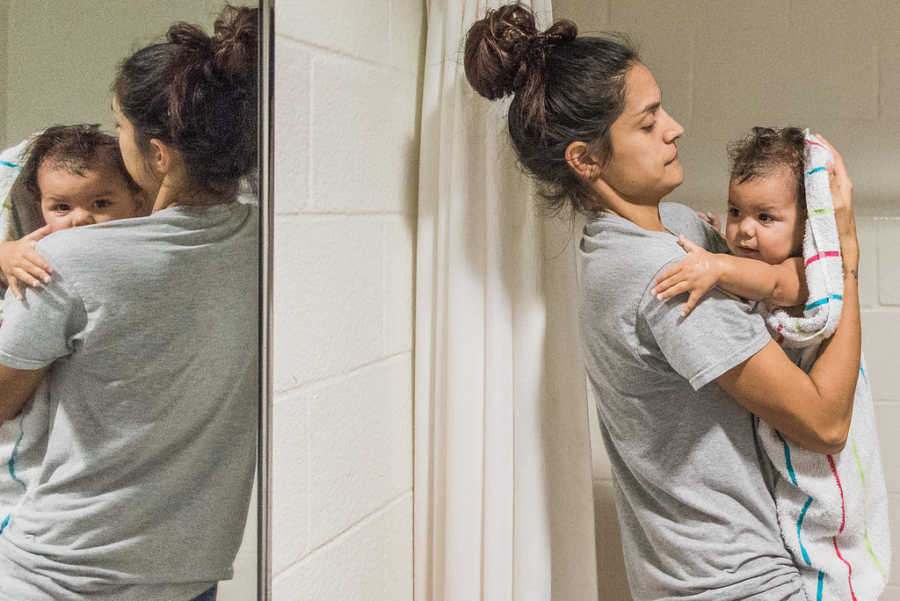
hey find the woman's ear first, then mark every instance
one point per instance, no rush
(579, 158)
(160, 157)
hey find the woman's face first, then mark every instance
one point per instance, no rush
(134, 159)
(644, 163)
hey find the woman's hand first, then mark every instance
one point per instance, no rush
(842, 199)
(22, 264)
(696, 273)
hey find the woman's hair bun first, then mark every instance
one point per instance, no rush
(235, 37)
(504, 51)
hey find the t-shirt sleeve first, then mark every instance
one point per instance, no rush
(719, 333)
(42, 328)
(684, 220)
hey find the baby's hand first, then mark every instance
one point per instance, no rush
(696, 273)
(21, 263)
(711, 218)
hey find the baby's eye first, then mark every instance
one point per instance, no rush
(102, 203)
(60, 208)
(764, 217)
(732, 212)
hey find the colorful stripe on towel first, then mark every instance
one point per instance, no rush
(823, 301)
(827, 253)
(837, 479)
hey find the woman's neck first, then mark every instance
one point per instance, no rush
(645, 216)
(170, 195)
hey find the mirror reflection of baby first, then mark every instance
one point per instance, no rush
(839, 537)
(77, 176)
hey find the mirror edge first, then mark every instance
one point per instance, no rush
(265, 156)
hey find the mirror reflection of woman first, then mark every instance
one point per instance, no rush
(675, 395)
(151, 327)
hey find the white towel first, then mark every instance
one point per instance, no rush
(832, 509)
(23, 440)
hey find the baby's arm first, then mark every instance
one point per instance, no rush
(782, 285)
(21, 264)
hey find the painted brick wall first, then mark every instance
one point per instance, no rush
(346, 145)
(725, 66)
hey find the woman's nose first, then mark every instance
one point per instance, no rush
(674, 129)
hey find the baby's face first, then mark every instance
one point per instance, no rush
(763, 219)
(69, 200)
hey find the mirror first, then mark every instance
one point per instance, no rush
(60, 61)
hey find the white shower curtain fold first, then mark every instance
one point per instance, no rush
(503, 501)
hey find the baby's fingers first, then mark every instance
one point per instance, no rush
(691, 302)
(24, 276)
(14, 287)
(674, 289)
(40, 270)
(669, 273)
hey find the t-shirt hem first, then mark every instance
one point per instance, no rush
(701, 379)
(21, 363)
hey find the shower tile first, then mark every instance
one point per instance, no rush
(887, 416)
(866, 231)
(371, 561)
(888, 261)
(834, 59)
(290, 498)
(360, 445)
(754, 36)
(880, 332)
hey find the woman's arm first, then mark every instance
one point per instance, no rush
(782, 285)
(811, 409)
(16, 387)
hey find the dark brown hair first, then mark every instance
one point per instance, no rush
(197, 93)
(766, 149)
(74, 148)
(565, 89)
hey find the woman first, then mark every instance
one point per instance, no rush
(151, 326)
(675, 395)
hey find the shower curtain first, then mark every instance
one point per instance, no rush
(503, 505)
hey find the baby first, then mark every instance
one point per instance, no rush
(832, 509)
(75, 176)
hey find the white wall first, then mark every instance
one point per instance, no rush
(346, 146)
(71, 83)
(725, 66)
(4, 54)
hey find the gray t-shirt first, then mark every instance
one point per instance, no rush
(151, 326)
(697, 513)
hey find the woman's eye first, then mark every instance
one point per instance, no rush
(649, 127)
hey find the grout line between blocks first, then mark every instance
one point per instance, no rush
(346, 532)
(318, 384)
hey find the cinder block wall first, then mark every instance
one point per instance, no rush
(346, 145)
(725, 66)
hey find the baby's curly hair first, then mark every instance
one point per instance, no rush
(767, 149)
(73, 148)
